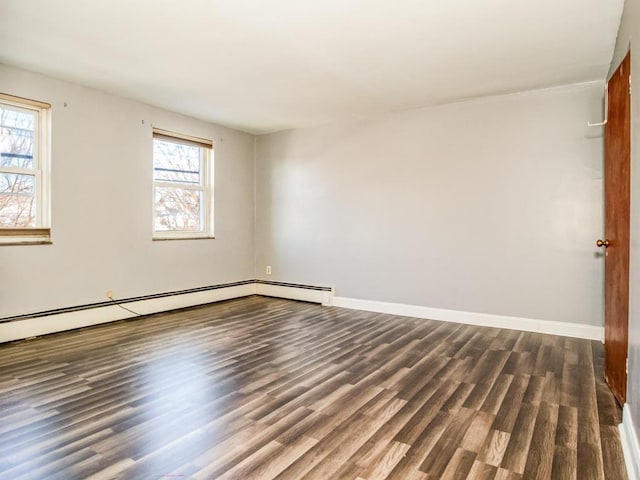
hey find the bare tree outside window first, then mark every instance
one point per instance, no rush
(180, 186)
(17, 178)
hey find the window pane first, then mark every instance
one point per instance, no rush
(17, 200)
(178, 209)
(174, 162)
(16, 138)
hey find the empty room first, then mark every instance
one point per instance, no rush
(319, 240)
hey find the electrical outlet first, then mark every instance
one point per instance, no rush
(109, 294)
(268, 269)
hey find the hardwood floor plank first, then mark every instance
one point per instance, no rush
(477, 432)
(416, 425)
(234, 450)
(380, 469)
(494, 399)
(503, 474)
(519, 363)
(438, 458)
(328, 455)
(611, 454)
(22, 461)
(494, 447)
(541, 448)
(510, 407)
(410, 464)
(112, 471)
(460, 464)
(515, 457)
(278, 461)
(564, 463)
(567, 427)
(482, 471)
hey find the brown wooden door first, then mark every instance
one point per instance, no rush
(616, 190)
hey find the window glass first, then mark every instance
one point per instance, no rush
(182, 187)
(24, 162)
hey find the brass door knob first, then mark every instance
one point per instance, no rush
(604, 243)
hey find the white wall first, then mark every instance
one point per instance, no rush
(629, 37)
(101, 205)
(491, 205)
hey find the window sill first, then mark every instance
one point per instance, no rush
(10, 242)
(163, 239)
(25, 236)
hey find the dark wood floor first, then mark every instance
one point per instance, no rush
(267, 388)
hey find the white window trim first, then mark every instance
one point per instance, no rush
(206, 187)
(41, 233)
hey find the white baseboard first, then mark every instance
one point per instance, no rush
(295, 293)
(33, 327)
(173, 302)
(43, 325)
(630, 445)
(58, 322)
(482, 319)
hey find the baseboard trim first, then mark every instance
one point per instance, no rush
(19, 327)
(630, 445)
(34, 326)
(294, 285)
(322, 295)
(43, 323)
(122, 301)
(589, 332)
(175, 302)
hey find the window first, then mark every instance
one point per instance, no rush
(182, 186)
(24, 162)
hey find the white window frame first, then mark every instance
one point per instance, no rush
(206, 187)
(41, 233)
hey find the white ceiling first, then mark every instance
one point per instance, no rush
(263, 66)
